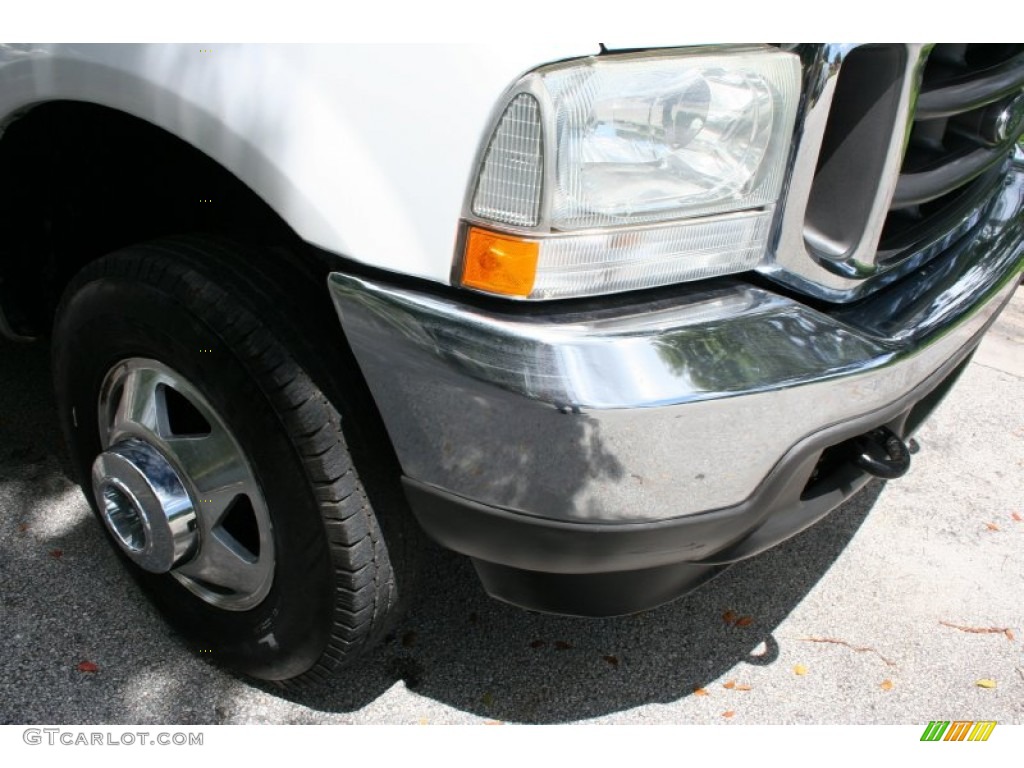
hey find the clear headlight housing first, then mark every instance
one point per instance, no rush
(615, 173)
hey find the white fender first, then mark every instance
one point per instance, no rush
(365, 150)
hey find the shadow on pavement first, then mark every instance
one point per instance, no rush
(470, 652)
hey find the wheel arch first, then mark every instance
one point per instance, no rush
(71, 165)
(164, 110)
(82, 179)
(159, 85)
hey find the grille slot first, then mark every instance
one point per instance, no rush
(854, 149)
(965, 124)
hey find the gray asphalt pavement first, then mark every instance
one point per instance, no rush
(889, 611)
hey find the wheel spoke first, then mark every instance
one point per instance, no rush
(216, 469)
(213, 505)
(221, 562)
(138, 412)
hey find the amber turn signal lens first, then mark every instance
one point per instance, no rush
(499, 263)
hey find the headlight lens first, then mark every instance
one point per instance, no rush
(649, 140)
(613, 143)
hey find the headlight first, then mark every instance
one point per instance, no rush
(631, 171)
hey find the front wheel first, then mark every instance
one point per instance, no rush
(220, 470)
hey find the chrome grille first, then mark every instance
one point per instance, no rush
(899, 150)
(967, 118)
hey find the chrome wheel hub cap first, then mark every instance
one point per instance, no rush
(176, 490)
(145, 505)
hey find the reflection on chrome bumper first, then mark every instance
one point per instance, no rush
(664, 409)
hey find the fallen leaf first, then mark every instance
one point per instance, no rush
(1009, 634)
(742, 687)
(1017, 517)
(730, 684)
(424, 721)
(699, 692)
(87, 666)
(613, 660)
(57, 553)
(494, 722)
(408, 639)
(886, 685)
(744, 621)
(487, 699)
(22, 527)
(800, 669)
(985, 683)
(561, 645)
(728, 713)
(729, 617)
(992, 526)
(538, 644)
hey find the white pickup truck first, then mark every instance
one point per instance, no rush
(604, 321)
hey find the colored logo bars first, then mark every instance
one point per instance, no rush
(958, 730)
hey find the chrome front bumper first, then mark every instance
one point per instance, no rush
(625, 413)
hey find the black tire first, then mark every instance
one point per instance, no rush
(339, 576)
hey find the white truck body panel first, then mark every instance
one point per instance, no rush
(365, 150)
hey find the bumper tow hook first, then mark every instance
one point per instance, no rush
(882, 453)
